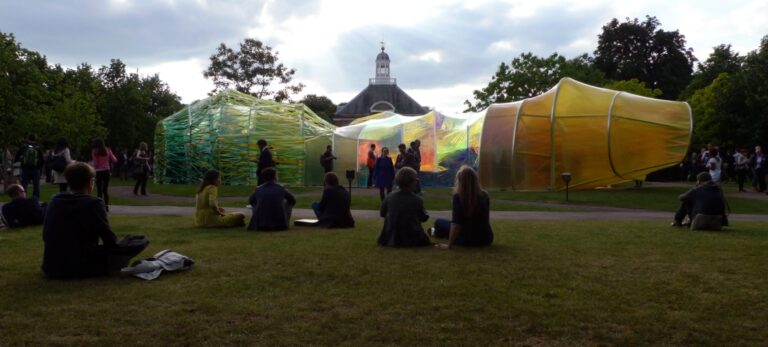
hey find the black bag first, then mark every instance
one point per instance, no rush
(57, 163)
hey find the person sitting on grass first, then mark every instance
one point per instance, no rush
(207, 210)
(706, 199)
(333, 210)
(271, 203)
(470, 221)
(74, 223)
(22, 211)
(403, 213)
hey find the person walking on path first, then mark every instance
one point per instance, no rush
(30, 155)
(103, 159)
(741, 163)
(141, 168)
(326, 160)
(60, 159)
(759, 164)
(384, 173)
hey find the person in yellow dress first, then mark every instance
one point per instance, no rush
(207, 210)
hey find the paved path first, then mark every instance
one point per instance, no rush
(626, 214)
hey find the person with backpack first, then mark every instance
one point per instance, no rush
(58, 161)
(30, 155)
(103, 159)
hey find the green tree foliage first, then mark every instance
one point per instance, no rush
(529, 75)
(634, 86)
(721, 60)
(755, 85)
(320, 105)
(131, 105)
(253, 69)
(635, 49)
(718, 111)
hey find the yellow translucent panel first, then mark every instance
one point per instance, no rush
(599, 136)
(581, 134)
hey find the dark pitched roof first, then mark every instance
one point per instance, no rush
(361, 104)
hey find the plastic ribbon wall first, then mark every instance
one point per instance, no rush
(600, 136)
(221, 133)
(447, 142)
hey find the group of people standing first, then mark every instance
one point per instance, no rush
(723, 167)
(381, 169)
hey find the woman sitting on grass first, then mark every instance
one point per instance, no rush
(470, 225)
(403, 213)
(207, 210)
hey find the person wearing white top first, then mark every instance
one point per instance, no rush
(714, 165)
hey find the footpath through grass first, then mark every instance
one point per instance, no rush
(541, 283)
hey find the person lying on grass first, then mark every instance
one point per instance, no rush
(272, 204)
(333, 210)
(207, 210)
(22, 211)
(403, 213)
(74, 223)
(470, 220)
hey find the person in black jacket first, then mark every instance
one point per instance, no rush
(74, 224)
(333, 210)
(265, 161)
(271, 203)
(470, 223)
(22, 211)
(706, 198)
(326, 160)
(403, 213)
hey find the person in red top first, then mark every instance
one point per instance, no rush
(102, 162)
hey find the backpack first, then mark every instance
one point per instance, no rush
(31, 157)
(57, 162)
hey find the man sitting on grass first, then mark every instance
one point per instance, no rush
(705, 199)
(333, 210)
(74, 223)
(403, 213)
(22, 211)
(272, 204)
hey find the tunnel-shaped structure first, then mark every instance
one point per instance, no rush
(447, 143)
(221, 132)
(600, 136)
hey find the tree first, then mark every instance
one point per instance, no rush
(721, 60)
(755, 86)
(635, 49)
(253, 69)
(320, 105)
(530, 75)
(718, 111)
(634, 86)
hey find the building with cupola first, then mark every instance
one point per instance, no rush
(382, 94)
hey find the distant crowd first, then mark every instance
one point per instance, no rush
(728, 166)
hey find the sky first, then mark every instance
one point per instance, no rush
(440, 51)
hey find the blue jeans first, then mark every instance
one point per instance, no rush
(34, 176)
(442, 228)
(316, 209)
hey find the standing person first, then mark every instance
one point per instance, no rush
(384, 173)
(265, 160)
(141, 168)
(207, 210)
(741, 163)
(103, 159)
(60, 159)
(403, 213)
(326, 160)
(30, 155)
(370, 162)
(416, 151)
(714, 165)
(74, 224)
(470, 223)
(272, 204)
(406, 158)
(126, 166)
(759, 163)
(333, 210)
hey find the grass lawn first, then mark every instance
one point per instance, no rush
(590, 283)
